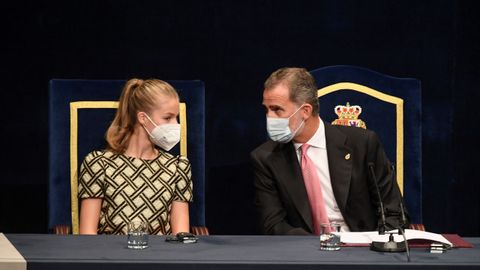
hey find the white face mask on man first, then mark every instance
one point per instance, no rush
(165, 136)
(279, 129)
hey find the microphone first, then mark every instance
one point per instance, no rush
(391, 245)
(381, 227)
(403, 225)
(402, 209)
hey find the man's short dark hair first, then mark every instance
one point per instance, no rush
(300, 83)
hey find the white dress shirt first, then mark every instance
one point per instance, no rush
(317, 152)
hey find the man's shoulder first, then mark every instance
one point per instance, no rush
(354, 137)
(270, 147)
(267, 147)
(352, 133)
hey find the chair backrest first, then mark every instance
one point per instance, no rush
(80, 113)
(390, 106)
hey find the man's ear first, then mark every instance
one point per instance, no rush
(307, 110)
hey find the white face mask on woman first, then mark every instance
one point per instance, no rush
(279, 129)
(165, 136)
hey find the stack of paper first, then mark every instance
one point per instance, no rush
(369, 237)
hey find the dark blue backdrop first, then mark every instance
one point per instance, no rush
(233, 46)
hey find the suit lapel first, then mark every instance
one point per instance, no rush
(340, 164)
(290, 175)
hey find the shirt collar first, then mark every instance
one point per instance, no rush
(318, 139)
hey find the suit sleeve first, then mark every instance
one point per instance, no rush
(387, 183)
(271, 211)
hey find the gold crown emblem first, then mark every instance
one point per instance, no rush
(348, 116)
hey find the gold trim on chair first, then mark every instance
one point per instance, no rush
(74, 107)
(398, 102)
(183, 129)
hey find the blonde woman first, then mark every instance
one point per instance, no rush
(136, 178)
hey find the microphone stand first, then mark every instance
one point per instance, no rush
(391, 245)
(407, 248)
(402, 212)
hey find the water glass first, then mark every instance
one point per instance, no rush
(329, 236)
(137, 235)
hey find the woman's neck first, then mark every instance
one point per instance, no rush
(140, 146)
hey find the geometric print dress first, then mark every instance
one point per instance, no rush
(135, 189)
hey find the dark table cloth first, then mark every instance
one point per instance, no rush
(225, 252)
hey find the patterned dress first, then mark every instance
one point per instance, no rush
(133, 188)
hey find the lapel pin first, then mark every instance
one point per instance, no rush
(347, 156)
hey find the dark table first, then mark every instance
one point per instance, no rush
(225, 252)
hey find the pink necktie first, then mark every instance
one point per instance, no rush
(314, 191)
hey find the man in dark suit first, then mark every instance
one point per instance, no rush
(342, 157)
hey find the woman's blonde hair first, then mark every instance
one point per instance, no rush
(137, 95)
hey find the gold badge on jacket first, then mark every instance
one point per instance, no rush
(348, 116)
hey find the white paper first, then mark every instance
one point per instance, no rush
(369, 237)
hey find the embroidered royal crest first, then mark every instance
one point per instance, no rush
(348, 116)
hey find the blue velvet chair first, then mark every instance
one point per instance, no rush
(80, 113)
(390, 106)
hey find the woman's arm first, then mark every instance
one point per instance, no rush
(179, 217)
(90, 215)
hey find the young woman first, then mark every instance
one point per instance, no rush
(135, 178)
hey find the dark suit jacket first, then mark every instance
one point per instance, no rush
(281, 198)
